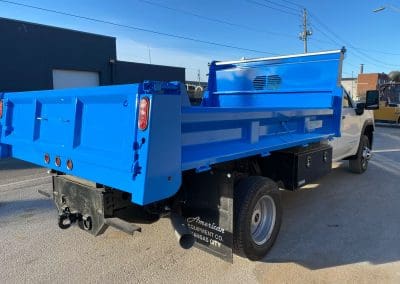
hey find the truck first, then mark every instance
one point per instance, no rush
(389, 106)
(142, 151)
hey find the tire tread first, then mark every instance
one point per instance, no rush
(355, 164)
(244, 192)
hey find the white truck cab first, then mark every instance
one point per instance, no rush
(355, 143)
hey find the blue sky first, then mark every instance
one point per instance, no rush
(268, 26)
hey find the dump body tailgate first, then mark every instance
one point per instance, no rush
(97, 130)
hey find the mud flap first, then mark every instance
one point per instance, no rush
(209, 212)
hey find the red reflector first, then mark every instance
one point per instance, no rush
(144, 107)
(1, 108)
(46, 158)
(58, 161)
(70, 165)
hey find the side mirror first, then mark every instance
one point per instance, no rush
(360, 108)
(372, 100)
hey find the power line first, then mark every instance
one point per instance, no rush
(354, 47)
(351, 46)
(293, 3)
(337, 43)
(281, 5)
(379, 51)
(136, 28)
(186, 12)
(273, 8)
(352, 65)
(326, 35)
(361, 48)
(332, 40)
(204, 41)
(354, 51)
(363, 55)
(380, 65)
(327, 42)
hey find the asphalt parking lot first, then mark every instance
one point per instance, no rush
(346, 228)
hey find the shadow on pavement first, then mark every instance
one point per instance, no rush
(346, 219)
(22, 207)
(14, 164)
(133, 214)
(389, 125)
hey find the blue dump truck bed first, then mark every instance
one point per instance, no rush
(140, 138)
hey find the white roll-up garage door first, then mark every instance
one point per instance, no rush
(74, 79)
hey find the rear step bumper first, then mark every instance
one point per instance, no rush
(91, 207)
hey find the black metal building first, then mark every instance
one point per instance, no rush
(38, 57)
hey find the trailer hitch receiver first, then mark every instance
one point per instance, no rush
(66, 218)
(88, 205)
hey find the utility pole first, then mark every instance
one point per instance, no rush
(149, 53)
(198, 76)
(305, 32)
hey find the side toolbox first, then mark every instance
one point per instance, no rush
(299, 166)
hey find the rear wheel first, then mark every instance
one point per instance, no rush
(360, 163)
(258, 217)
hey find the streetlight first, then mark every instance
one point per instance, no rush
(377, 10)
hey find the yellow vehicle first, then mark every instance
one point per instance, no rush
(389, 107)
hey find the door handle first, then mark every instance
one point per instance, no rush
(343, 116)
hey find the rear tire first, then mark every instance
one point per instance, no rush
(360, 163)
(257, 217)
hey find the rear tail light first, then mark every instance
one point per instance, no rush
(1, 108)
(144, 107)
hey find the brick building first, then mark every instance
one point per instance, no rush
(370, 81)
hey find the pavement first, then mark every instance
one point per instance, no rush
(343, 229)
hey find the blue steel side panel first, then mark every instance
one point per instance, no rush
(210, 137)
(304, 76)
(257, 106)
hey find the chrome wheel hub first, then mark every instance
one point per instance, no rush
(263, 220)
(366, 153)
